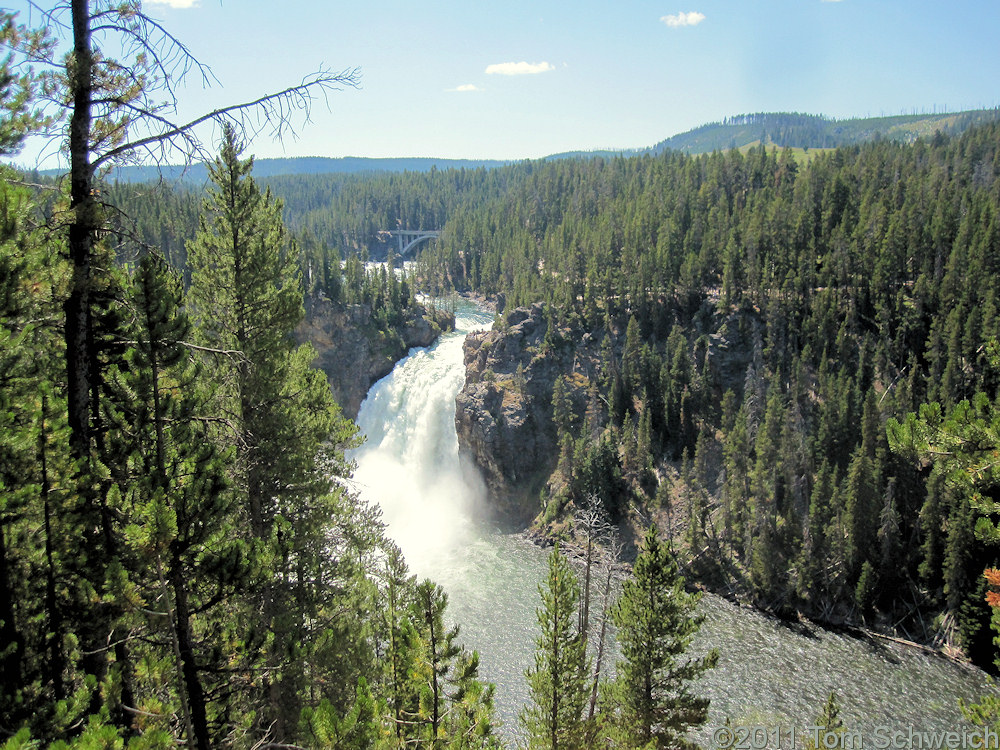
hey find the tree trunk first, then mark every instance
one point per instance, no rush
(434, 674)
(193, 695)
(605, 606)
(13, 655)
(83, 225)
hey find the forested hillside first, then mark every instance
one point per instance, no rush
(195, 175)
(843, 294)
(795, 130)
(751, 325)
(759, 318)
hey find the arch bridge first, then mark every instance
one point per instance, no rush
(408, 239)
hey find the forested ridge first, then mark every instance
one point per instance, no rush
(761, 321)
(804, 131)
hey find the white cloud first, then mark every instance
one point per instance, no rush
(466, 87)
(519, 68)
(683, 19)
(175, 3)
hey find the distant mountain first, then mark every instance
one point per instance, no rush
(813, 131)
(771, 128)
(198, 173)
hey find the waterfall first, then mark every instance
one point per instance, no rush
(410, 464)
(433, 506)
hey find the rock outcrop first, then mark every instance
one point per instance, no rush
(731, 350)
(354, 353)
(503, 414)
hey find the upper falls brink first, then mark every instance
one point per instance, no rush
(354, 353)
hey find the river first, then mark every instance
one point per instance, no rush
(769, 673)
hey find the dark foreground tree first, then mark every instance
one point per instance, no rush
(650, 702)
(104, 111)
(280, 421)
(558, 682)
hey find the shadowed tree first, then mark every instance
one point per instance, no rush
(106, 111)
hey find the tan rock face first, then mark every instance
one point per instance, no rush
(354, 354)
(503, 414)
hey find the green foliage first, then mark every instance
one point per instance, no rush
(21, 85)
(963, 445)
(650, 700)
(214, 527)
(827, 722)
(558, 681)
(181, 561)
(356, 730)
(864, 593)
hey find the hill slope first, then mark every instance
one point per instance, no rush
(779, 129)
(814, 131)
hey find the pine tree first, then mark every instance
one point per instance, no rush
(400, 658)
(440, 702)
(36, 537)
(558, 681)
(827, 722)
(439, 651)
(470, 722)
(181, 523)
(862, 501)
(564, 418)
(246, 300)
(656, 621)
(287, 433)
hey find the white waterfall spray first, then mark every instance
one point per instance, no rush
(410, 464)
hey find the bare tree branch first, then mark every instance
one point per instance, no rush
(275, 110)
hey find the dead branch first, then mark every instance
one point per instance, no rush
(272, 110)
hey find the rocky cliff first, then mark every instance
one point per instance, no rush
(354, 352)
(504, 415)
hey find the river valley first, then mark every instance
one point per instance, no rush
(769, 673)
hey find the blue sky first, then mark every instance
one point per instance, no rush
(527, 78)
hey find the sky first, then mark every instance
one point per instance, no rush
(521, 79)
